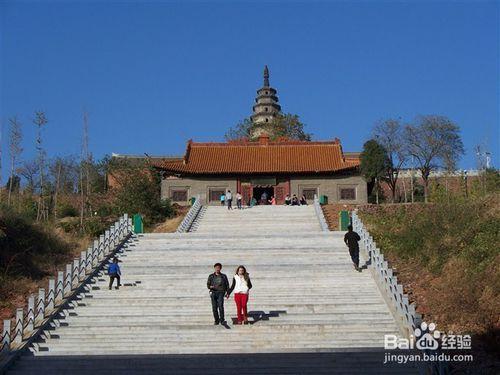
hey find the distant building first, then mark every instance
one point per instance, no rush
(277, 168)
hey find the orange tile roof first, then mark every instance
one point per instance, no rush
(243, 157)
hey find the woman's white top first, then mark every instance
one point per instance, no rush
(240, 285)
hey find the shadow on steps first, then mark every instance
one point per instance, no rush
(353, 361)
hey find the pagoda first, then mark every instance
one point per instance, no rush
(266, 107)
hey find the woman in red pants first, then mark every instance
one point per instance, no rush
(241, 285)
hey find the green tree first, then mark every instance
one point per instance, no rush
(138, 191)
(283, 125)
(374, 163)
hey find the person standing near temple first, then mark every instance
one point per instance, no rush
(351, 239)
(229, 199)
(218, 285)
(263, 198)
(223, 199)
(241, 286)
(303, 200)
(238, 200)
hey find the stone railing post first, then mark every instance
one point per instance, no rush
(59, 287)
(68, 279)
(40, 307)
(83, 265)
(51, 296)
(30, 324)
(19, 327)
(6, 339)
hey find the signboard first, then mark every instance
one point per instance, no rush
(263, 181)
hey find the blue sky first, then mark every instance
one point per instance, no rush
(152, 75)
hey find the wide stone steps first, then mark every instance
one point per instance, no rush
(310, 312)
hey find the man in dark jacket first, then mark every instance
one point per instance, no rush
(218, 285)
(351, 239)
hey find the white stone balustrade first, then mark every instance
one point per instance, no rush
(46, 303)
(385, 278)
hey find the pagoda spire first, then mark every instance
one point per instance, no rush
(266, 107)
(266, 76)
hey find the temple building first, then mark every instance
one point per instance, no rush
(278, 168)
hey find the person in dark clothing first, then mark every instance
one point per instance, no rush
(218, 285)
(114, 273)
(288, 200)
(295, 200)
(303, 200)
(351, 239)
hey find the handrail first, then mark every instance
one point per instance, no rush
(386, 280)
(320, 215)
(44, 307)
(189, 219)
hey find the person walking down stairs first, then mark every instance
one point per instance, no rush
(114, 273)
(351, 239)
(218, 285)
(241, 286)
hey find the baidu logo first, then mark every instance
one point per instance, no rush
(429, 339)
(426, 337)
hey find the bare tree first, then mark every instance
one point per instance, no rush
(389, 133)
(40, 121)
(15, 149)
(29, 170)
(84, 169)
(58, 171)
(434, 142)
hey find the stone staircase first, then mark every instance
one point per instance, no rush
(310, 312)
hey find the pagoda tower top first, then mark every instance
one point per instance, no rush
(266, 106)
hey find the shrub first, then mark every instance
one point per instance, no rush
(27, 248)
(67, 210)
(94, 226)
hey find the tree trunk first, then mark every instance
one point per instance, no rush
(82, 203)
(426, 188)
(412, 188)
(10, 180)
(404, 189)
(376, 190)
(56, 194)
(393, 190)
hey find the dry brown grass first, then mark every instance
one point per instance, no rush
(170, 225)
